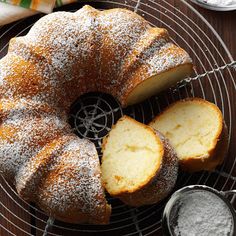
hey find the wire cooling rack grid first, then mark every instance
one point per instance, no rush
(93, 115)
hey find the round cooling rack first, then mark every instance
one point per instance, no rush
(93, 115)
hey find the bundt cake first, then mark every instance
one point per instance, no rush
(139, 166)
(64, 178)
(63, 56)
(197, 131)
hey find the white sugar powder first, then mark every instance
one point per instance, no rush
(220, 2)
(202, 213)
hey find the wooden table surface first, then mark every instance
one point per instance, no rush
(223, 22)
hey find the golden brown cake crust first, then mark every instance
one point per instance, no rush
(70, 187)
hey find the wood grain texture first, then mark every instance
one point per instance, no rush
(225, 24)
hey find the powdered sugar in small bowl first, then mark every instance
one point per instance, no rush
(198, 210)
(217, 5)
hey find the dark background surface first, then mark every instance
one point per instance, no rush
(223, 22)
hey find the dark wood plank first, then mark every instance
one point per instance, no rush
(224, 24)
(15, 213)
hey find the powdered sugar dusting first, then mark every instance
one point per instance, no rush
(121, 29)
(165, 59)
(202, 213)
(22, 136)
(78, 187)
(63, 56)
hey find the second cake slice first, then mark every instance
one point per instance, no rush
(138, 165)
(197, 131)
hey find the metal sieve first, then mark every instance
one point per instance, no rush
(171, 210)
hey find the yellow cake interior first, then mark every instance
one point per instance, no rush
(132, 154)
(192, 127)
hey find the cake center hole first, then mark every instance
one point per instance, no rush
(93, 115)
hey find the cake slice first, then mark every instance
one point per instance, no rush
(138, 164)
(197, 131)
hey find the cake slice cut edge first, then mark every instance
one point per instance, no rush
(197, 131)
(132, 155)
(158, 83)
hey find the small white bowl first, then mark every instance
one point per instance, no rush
(214, 7)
